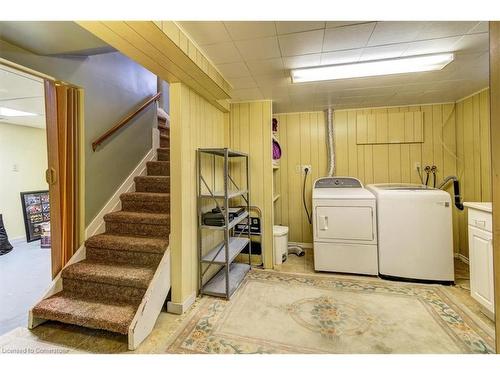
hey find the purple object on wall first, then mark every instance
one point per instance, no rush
(276, 150)
(275, 125)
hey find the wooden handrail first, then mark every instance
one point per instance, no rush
(124, 121)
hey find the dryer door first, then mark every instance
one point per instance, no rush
(354, 223)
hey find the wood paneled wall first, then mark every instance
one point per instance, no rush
(194, 123)
(473, 155)
(302, 138)
(495, 158)
(250, 132)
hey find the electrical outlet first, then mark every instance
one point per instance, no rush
(308, 167)
(417, 165)
(15, 168)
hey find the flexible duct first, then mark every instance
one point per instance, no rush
(329, 142)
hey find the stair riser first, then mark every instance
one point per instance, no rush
(136, 229)
(148, 186)
(106, 292)
(146, 206)
(164, 142)
(163, 156)
(124, 257)
(158, 169)
(164, 131)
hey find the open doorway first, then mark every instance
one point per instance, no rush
(25, 263)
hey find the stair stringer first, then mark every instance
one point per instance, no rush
(98, 225)
(152, 303)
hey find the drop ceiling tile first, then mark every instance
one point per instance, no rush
(234, 70)
(295, 89)
(302, 61)
(272, 81)
(481, 27)
(301, 43)
(443, 29)
(423, 47)
(222, 53)
(275, 92)
(243, 83)
(383, 52)
(241, 30)
(259, 49)
(332, 24)
(270, 67)
(395, 32)
(247, 94)
(287, 27)
(341, 57)
(347, 37)
(206, 32)
(473, 43)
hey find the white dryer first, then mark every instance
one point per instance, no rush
(344, 225)
(415, 233)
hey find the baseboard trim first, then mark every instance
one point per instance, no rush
(114, 203)
(181, 308)
(463, 258)
(304, 245)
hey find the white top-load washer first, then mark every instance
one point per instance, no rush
(344, 226)
(415, 232)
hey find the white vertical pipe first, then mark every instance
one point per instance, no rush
(329, 142)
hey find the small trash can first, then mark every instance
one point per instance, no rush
(280, 244)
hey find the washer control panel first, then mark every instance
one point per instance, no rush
(338, 182)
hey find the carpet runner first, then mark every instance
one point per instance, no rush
(104, 290)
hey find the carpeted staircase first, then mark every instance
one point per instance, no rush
(105, 290)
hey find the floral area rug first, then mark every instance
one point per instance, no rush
(275, 312)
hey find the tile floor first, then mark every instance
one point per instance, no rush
(53, 337)
(24, 276)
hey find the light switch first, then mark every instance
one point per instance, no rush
(15, 168)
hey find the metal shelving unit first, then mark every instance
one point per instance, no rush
(225, 282)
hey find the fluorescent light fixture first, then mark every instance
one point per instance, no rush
(410, 64)
(9, 112)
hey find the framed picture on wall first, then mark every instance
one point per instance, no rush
(36, 212)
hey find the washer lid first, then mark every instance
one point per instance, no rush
(400, 187)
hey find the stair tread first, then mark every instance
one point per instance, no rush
(67, 308)
(138, 217)
(153, 178)
(128, 243)
(141, 196)
(163, 149)
(158, 162)
(110, 273)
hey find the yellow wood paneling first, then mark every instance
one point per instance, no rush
(250, 132)
(473, 163)
(432, 125)
(392, 127)
(194, 123)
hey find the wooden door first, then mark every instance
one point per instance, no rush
(52, 175)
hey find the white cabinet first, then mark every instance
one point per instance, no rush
(481, 256)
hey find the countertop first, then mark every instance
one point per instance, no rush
(481, 206)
